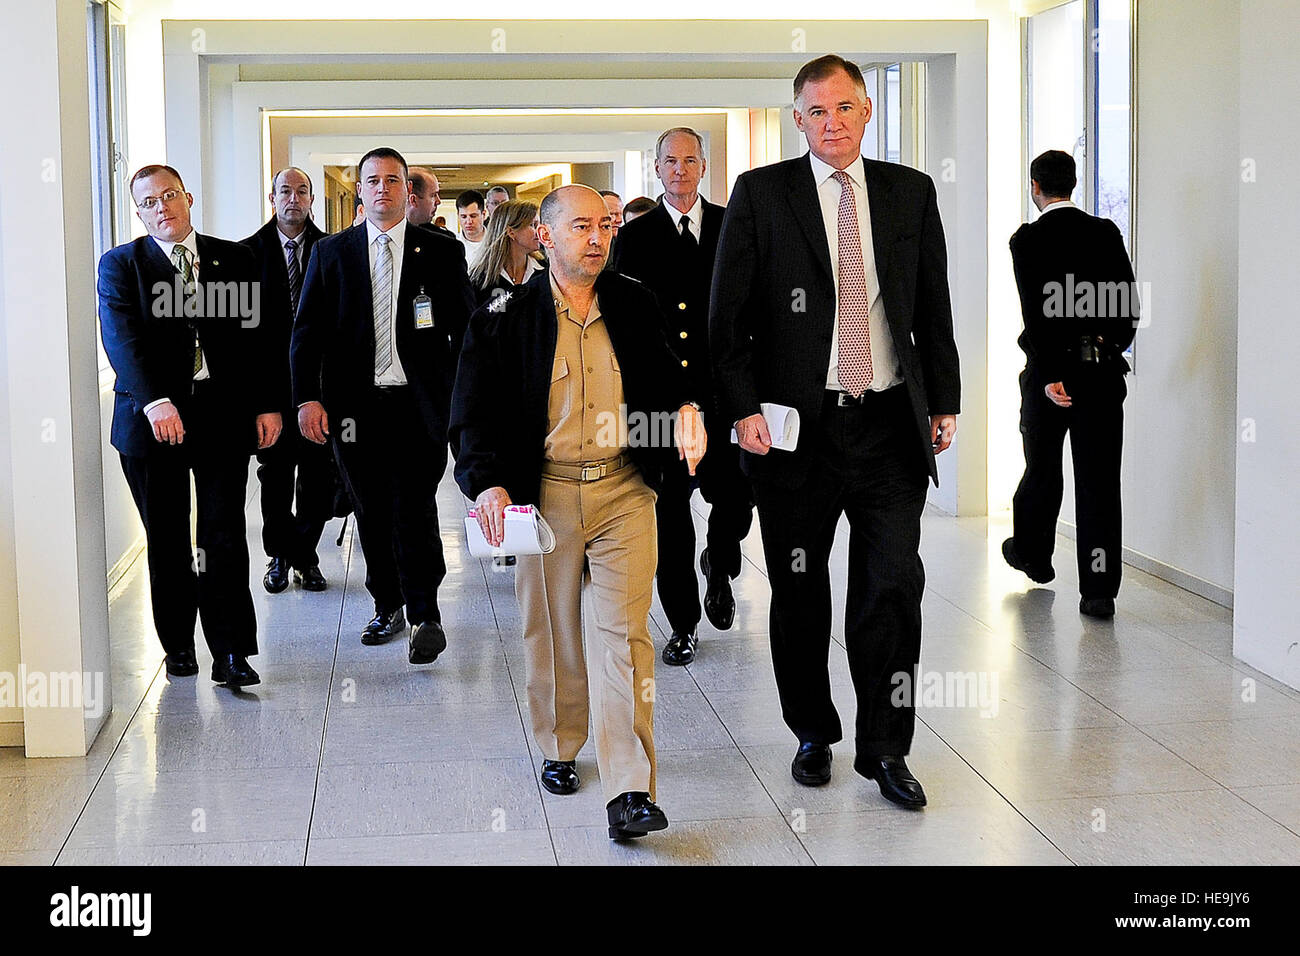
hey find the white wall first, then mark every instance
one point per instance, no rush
(1179, 444)
(1267, 635)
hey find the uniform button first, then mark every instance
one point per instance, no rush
(684, 363)
(591, 404)
(584, 335)
(588, 441)
(682, 334)
(589, 368)
(682, 306)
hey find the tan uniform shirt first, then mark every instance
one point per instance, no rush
(585, 413)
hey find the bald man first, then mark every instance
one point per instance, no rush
(588, 347)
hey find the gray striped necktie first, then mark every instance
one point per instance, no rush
(295, 274)
(382, 284)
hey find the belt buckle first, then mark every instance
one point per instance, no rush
(845, 400)
(593, 472)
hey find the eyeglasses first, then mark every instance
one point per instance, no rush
(150, 201)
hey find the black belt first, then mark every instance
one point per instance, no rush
(1095, 350)
(839, 399)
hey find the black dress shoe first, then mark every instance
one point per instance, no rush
(896, 782)
(719, 603)
(277, 576)
(426, 642)
(233, 670)
(812, 765)
(311, 579)
(560, 776)
(1097, 607)
(632, 815)
(680, 648)
(1038, 573)
(181, 664)
(384, 625)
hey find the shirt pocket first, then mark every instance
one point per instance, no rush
(561, 384)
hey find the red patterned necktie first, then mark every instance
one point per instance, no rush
(854, 361)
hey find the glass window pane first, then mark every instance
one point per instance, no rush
(1055, 84)
(870, 139)
(893, 115)
(1113, 154)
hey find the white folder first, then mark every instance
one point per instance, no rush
(526, 533)
(782, 422)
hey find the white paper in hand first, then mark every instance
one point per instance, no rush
(526, 533)
(782, 423)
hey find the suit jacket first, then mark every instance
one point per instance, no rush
(332, 351)
(651, 250)
(150, 342)
(499, 408)
(772, 308)
(277, 310)
(1060, 252)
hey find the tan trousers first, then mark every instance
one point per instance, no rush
(602, 571)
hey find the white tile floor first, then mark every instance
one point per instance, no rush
(1137, 741)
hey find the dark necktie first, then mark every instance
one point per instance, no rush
(688, 237)
(185, 266)
(854, 364)
(295, 273)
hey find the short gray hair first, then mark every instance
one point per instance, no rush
(678, 129)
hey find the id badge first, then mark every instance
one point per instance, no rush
(423, 312)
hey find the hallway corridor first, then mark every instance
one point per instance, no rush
(1137, 741)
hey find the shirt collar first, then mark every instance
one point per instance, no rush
(562, 304)
(696, 212)
(531, 266)
(188, 242)
(297, 242)
(823, 171)
(397, 232)
(1059, 204)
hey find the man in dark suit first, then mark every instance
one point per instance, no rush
(672, 249)
(384, 308)
(556, 378)
(1080, 307)
(426, 193)
(194, 392)
(830, 295)
(293, 466)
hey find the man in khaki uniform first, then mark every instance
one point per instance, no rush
(565, 390)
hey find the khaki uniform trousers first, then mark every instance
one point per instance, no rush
(601, 571)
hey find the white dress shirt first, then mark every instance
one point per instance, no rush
(531, 266)
(1059, 204)
(191, 244)
(696, 214)
(297, 249)
(394, 374)
(885, 371)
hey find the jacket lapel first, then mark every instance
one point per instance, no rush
(803, 200)
(537, 388)
(883, 227)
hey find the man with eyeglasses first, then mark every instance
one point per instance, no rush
(292, 468)
(373, 354)
(180, 317)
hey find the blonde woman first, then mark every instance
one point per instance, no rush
(509, 256)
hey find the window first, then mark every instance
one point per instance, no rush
(1078, 83)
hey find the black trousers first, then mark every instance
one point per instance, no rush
(727, 490)
(295, 467)
(212, 582)
(866, 467)
(1095, 423)
(392, 469)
